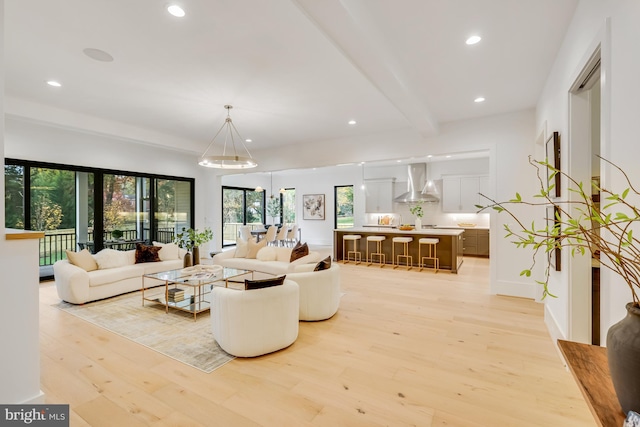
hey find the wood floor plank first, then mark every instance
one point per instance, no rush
(406, 348)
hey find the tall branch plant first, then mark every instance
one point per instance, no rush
(580, 224)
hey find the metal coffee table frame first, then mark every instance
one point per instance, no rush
(194, 301)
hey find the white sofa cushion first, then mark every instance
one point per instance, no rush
(283, 254)
(111, 275)
(268, 253)
(111, 258)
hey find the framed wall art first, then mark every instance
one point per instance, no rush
(313, 206)
(552, 149)
(555, 254)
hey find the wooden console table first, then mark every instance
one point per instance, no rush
(589, 366)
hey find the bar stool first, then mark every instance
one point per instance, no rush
(357, 256)
(432, 245)
(408, 258)
(381, 257)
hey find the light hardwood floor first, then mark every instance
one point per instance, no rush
(406, 348)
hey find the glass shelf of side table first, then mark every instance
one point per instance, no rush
(198, 285)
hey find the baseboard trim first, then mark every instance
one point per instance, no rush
(522, 290)
(36, 400)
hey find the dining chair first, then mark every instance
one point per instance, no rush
(245, 232)
(270, 237)
(292, 235)
(281, 238)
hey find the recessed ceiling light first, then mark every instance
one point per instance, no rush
(479, 99)
(448, 156)
(53, 83)
(248, 140)
(430, 156)
(176, 10)
(473, 40)
(352, 122)
(398, 161)
(97, 54)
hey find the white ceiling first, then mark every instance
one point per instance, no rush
(295, 70)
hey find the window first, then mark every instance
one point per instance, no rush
(289, 206)
(60, 200)
(240, 206)
(343, 206)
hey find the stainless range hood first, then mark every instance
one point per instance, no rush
(418, 189)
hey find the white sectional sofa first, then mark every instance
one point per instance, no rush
(270, 260)
(117, 274)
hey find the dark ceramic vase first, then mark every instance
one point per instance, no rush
(187, 261)
(196, 256)
(623, 352)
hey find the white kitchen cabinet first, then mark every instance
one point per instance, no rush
(379, 195)
(460, 193)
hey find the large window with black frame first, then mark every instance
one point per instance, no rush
(240, 206)
(78, 207)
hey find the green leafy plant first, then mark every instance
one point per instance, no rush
(580, 224)
(192, 238)
(417, 210)
(273, 208)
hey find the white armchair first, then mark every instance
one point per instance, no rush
(319, 291)
(255, 322)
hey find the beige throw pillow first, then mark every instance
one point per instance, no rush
(82, 259)
(253, 248)
(242, 248)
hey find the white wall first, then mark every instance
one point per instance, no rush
(612, 25)
(39, 141)
(20, 355)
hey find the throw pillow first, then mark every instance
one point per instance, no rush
(242, 247)
(299, 251)
(110, 258)
(264, 283)
(253, 248)
(283, 254)
(325, 264)
(168, 251)
(82, 259)
(268, 253)
(147, 253)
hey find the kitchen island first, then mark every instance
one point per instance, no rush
(450, 246)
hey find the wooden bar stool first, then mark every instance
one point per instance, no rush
(432, 246)
(381, 257)
(357, 256)
(408, 258)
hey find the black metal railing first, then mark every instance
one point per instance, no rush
(55, 242)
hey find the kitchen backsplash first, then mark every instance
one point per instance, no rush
(431, 217)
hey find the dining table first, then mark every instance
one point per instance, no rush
(259, 232)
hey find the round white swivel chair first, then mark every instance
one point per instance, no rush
(255, 322)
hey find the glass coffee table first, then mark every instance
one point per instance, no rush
(187, 289)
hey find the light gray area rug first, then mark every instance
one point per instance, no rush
(174, 334)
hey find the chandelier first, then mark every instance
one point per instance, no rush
(228, 160)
